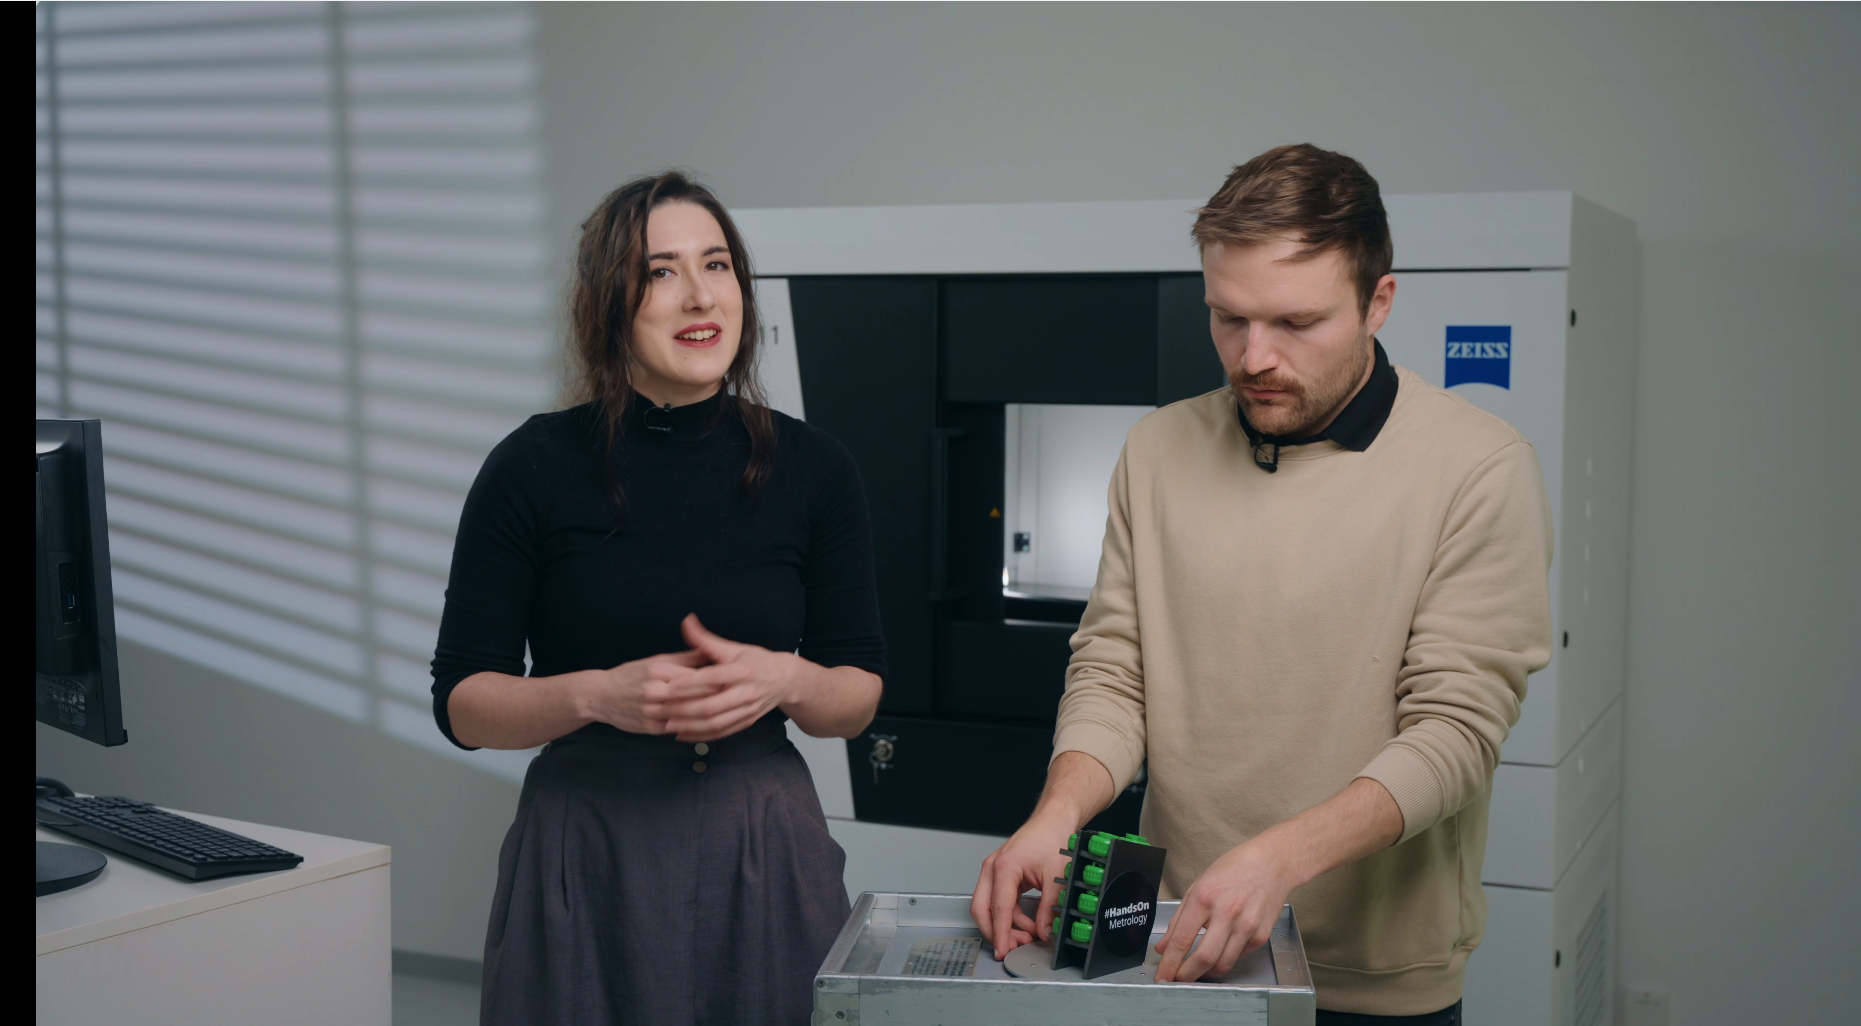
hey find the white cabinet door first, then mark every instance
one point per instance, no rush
(1540, 816)
(1438, 313)
(777, 362)
(1521, 828)
(1509, 976)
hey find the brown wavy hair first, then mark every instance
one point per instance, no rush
(1326, 201)
(610, 285)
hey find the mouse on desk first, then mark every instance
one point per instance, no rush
(52, 788)
(45, 813)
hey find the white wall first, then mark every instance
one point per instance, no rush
(1727, 133)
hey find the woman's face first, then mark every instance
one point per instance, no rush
(691, 320)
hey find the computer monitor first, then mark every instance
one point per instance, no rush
(77, 678)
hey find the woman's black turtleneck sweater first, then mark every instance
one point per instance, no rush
(545, 557)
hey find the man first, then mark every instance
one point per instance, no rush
(1320, 594)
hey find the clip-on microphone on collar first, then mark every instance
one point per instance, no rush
(1270, 464)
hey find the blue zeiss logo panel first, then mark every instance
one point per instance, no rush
(1479, 353)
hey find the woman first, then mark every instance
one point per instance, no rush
(688, 570)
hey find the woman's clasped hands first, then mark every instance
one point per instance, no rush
(713, 690)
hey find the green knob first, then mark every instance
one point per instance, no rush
(1089, 903)
(1067, 870)
(1099, 845)
(1073, 842)
(1082, 931)
(1134, 837)
(1056, 926)
(1093, 874)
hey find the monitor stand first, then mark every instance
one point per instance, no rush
(64, 866)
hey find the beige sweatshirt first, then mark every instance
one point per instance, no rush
(1267, 638)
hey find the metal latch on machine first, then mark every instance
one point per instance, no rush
(884, 746)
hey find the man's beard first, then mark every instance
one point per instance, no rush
(1305, 405)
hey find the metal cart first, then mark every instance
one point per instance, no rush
(918, 960)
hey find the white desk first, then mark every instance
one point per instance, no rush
(138, 945)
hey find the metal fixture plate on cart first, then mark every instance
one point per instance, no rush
(875, 972)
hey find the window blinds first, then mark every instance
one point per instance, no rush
(292, 256)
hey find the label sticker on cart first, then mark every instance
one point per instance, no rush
(1479, 354)
(943, 956)
(1126, 912)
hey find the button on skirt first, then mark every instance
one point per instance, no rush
(643, 882)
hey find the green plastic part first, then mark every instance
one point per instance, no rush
(1134, 837)
(1082, 931)
(1100, 845)
(1056, 925)
(1073, 842)
(1089, 903)
(1093, 874)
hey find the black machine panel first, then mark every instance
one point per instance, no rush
(973, 776)
(912, 374)
(1186, 361)
(868, 376)
(1079, 339)
(1002, 670)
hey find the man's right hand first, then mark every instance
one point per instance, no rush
(1078, 788)
(1029, 859)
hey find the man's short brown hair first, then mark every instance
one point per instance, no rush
(1324, 200)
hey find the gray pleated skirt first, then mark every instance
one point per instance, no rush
(645, 883)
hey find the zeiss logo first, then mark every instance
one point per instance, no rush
(1479, 353)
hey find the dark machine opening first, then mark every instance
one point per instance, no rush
(929, 382)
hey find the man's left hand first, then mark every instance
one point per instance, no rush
(1237, 901)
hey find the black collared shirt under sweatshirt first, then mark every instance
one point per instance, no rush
(1355, 426)
(545, 558)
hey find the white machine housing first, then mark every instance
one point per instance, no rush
(1561, 274)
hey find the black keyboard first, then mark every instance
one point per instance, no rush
(180, 845)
